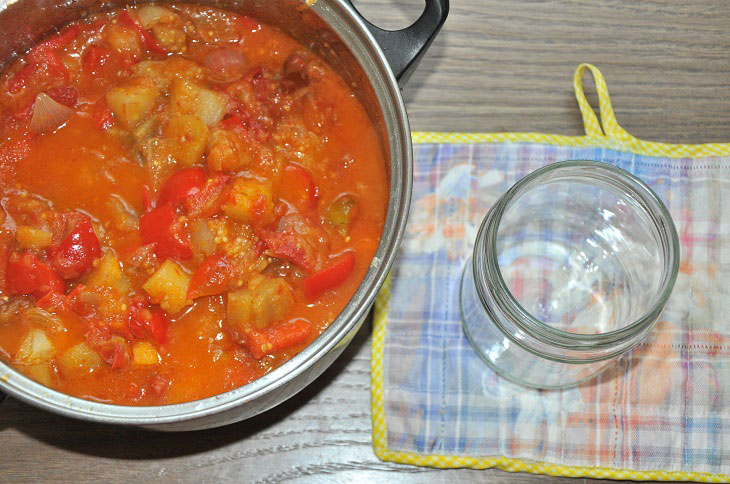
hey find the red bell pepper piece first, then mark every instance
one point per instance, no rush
(52, 301)
(297, 187)
(160, 227)
(43, 53)
(330, 277)
(49, 282)
(211, 277)
(143, 321)
(207, 201)
(114, 353)
(95, 57)
(4, 255)
(61, 39)
(279, 337)
(76, 304)
(286, 245)
(147, 38)
(157, 326)
(102, 116)
(75, 254)
(25, 274)
(181, 185)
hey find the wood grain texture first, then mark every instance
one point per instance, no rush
(497, 66)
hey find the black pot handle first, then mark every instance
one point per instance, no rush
(405, 48)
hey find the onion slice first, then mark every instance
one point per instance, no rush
(153, 14)
(48, 114)
(228, 64)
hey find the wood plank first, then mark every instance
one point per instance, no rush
(497, 66)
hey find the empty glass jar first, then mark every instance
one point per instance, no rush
(571, 269)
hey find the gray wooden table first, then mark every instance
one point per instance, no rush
(497, 66)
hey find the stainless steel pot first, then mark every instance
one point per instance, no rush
(373, 61)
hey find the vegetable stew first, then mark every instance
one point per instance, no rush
(189, 198)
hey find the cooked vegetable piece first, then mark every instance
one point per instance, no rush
(210, 198)
(330, 277)
(40, 318)
(181, 185)
(202, 238)
(169, 38)
(145, 354)
(279, 337)
(79, 360)
(256, 307)
(298, 240)
(36, 347)
(109, 274)
(123, 40)
(94, 59)
(341, 212)
(25, 274)
(124, 217)
(33, 238)
(191, 135)
(42, 373)
(150, 15)
(228, 152)
(48, 114)
(250, 202)
(143, 322)
(211, 277)
(168, 287)
(147, 39)
(76, 253)
(161, 227)
(189, 97)
(133, 101)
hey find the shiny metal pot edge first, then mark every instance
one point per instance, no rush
(343, 28)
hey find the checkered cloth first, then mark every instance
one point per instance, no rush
(666, 406)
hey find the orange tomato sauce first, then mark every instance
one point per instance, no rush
(189, 198)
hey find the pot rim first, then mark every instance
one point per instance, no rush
(397, 129)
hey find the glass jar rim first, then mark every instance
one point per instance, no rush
(647, 200)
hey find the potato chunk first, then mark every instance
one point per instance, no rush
(168, 287)
(256, 307)
(159, 155)
(109, 274)
(35, 348)
(191, 135)
(143, 353)
(133, 101)
(33, 238)
(42, 373)
(79, 360)
(163, 72)
(188, 97)
(123, 40)
(250, 199)
(228, 152)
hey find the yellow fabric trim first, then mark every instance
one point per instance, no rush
(606, 134)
